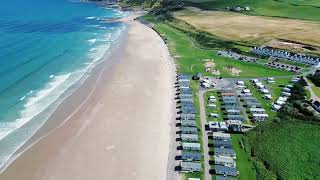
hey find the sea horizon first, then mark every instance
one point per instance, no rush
(44, 58)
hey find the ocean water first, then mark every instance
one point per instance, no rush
(46, 47)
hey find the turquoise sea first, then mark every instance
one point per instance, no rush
(46, 46)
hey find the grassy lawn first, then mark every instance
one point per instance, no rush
(190, 58)
(244, 163)
(295, 9)
(266, 104)
(308, 94)
(316, 90)
(216, 110)
(276, 90)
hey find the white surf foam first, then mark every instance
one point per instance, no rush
(90, 17)
(35, 105)
(92, 41)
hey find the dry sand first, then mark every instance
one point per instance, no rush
(121, 131)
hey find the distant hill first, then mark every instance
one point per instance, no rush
(142, 3)
(295, 9)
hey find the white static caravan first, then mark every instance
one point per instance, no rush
(260, 117)
(187, 117)
(214, 115)
(225, 161)
(264, 91)
(257, 111)
(241, 83)
(212, 106)
(190, 137)
(190, 123)
(246, 91)
(221, 136)
(191, 146)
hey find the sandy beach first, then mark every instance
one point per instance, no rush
(120, 129)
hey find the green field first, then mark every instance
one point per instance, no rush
(190, 58)
(276, 90)
(244, 163)
(296, 9)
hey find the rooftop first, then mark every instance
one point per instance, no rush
(225, 169)
(224, 150)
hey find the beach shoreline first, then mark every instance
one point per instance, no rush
(50, 151)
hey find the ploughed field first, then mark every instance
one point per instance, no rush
(294, 35)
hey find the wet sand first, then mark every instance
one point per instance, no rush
(121, 128)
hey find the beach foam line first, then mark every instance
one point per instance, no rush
(92, 41)
(34, 105)
(56, 91)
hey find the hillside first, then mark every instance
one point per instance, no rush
(295, 9)
(141, 3)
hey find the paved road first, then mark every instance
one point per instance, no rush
(309, 87)
(203, 119)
